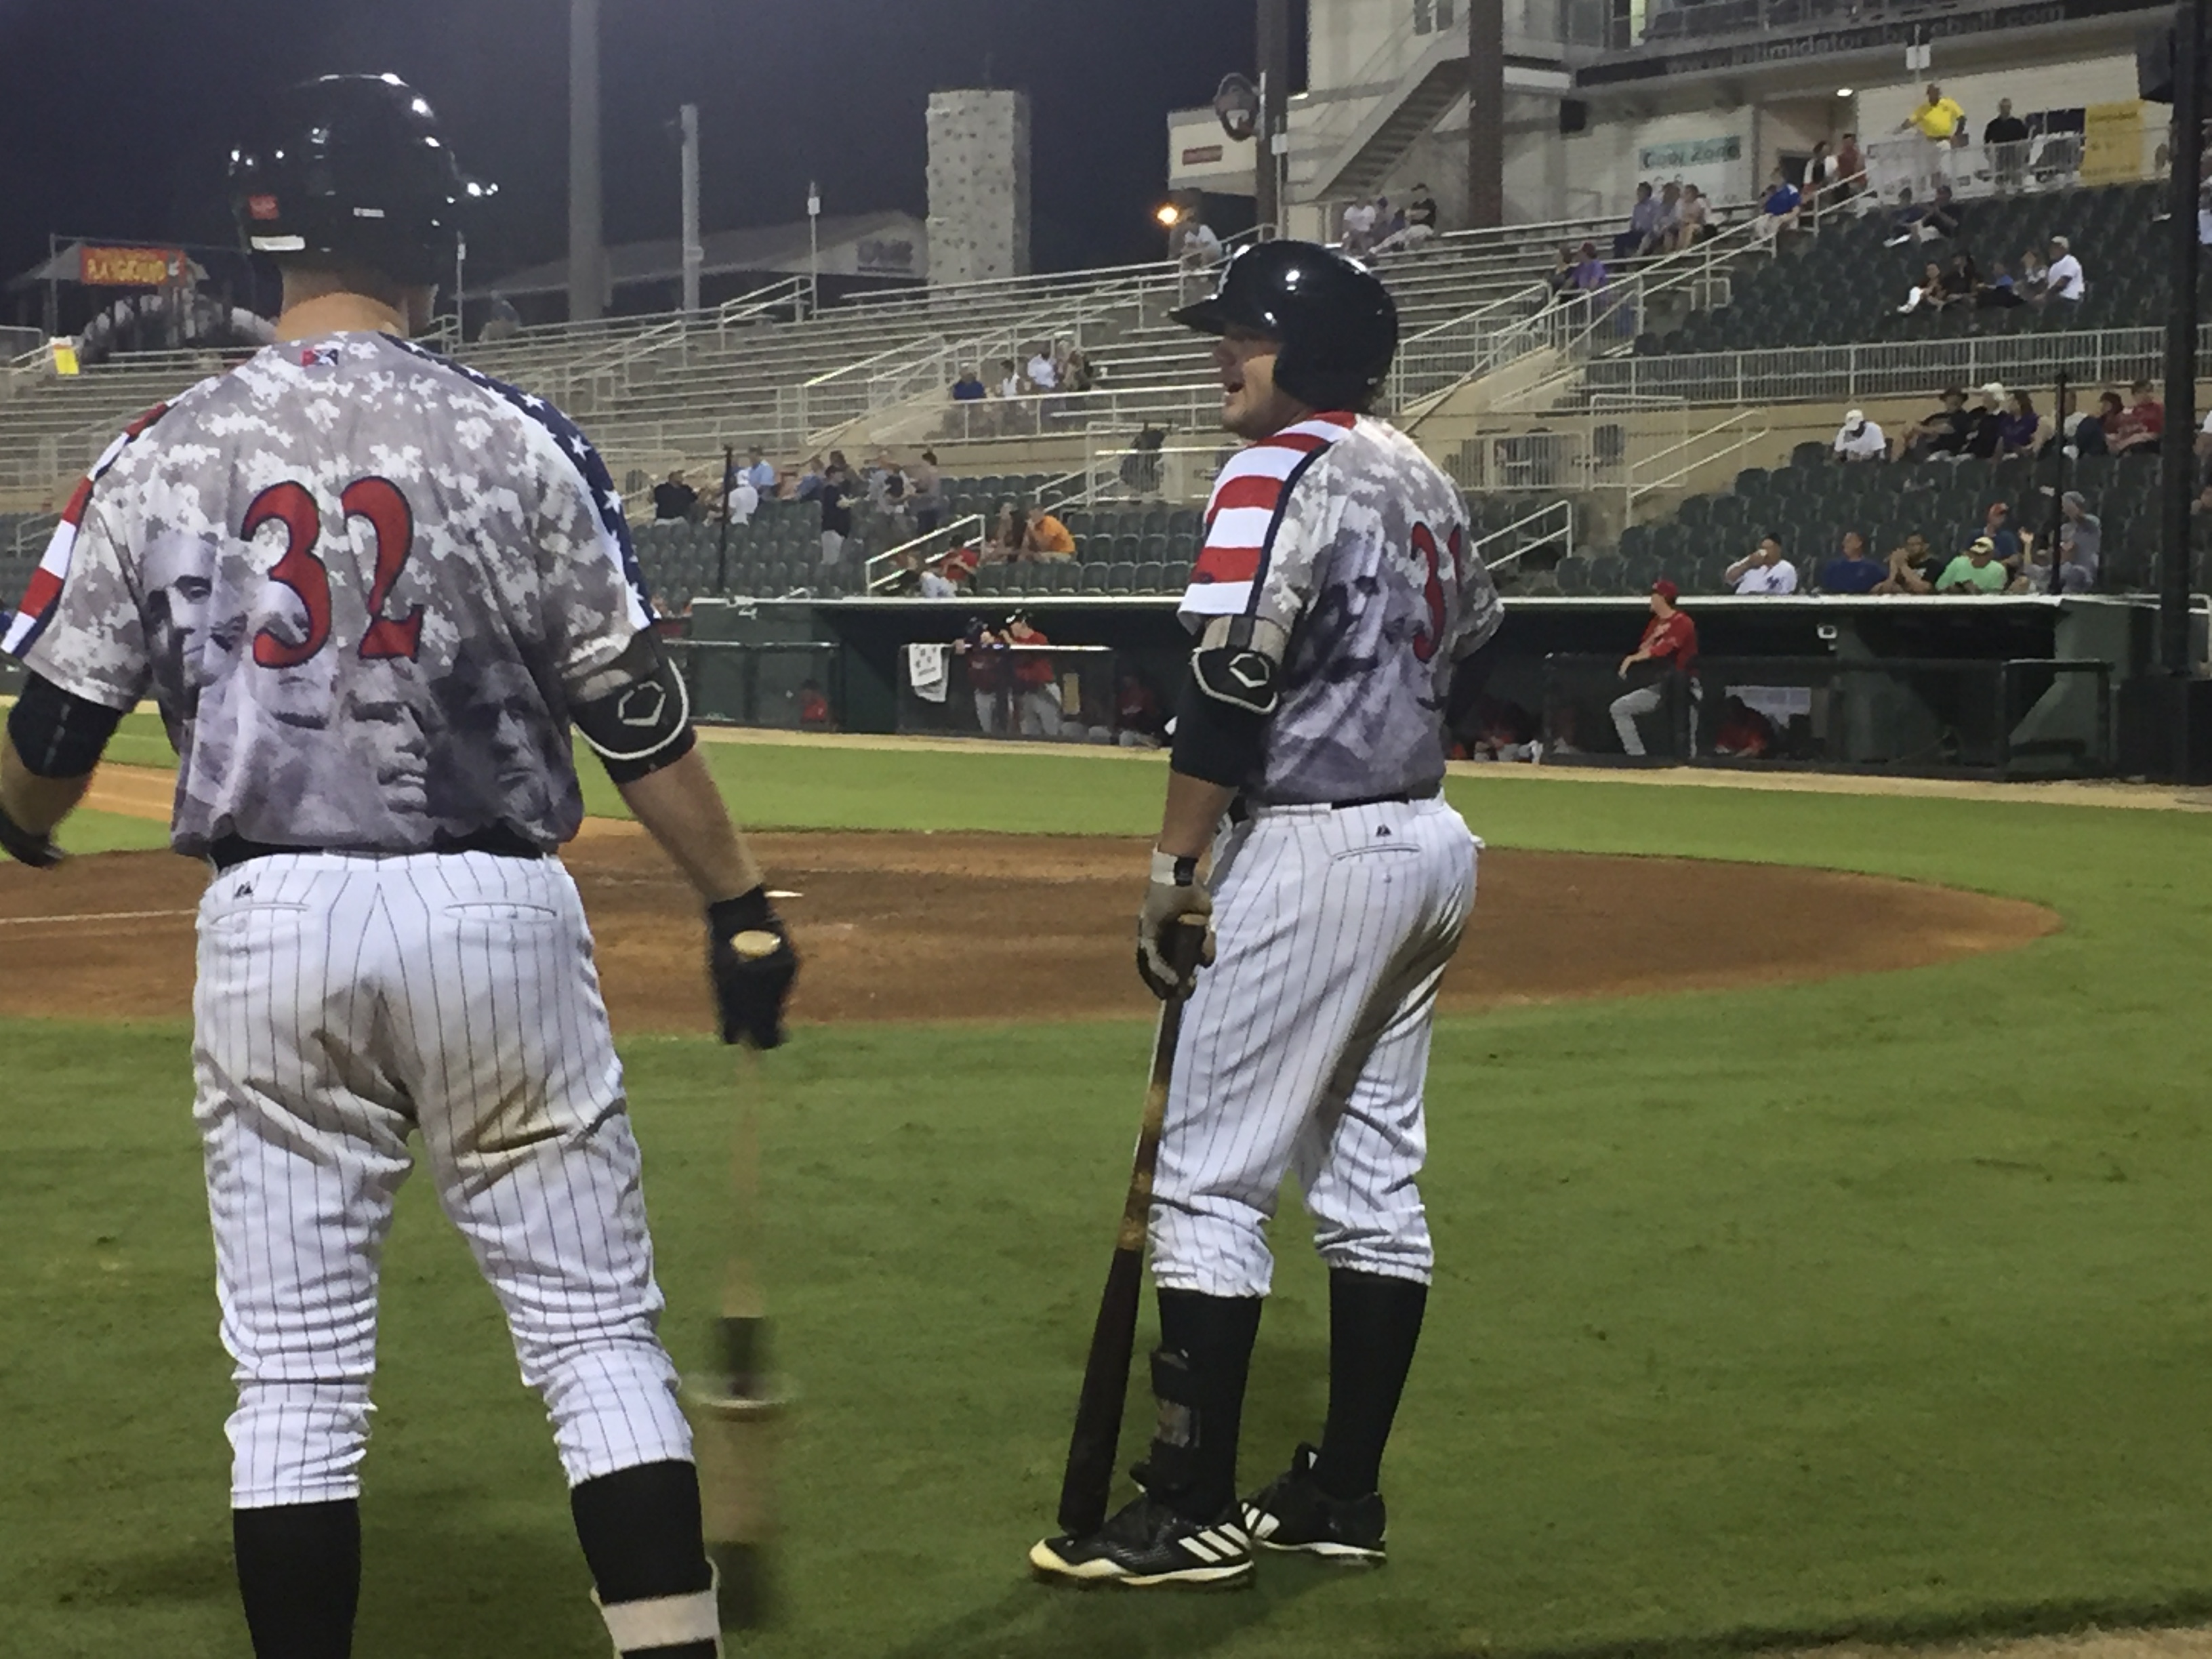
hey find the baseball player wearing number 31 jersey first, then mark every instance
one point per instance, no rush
(1335, 602)
(370, 591)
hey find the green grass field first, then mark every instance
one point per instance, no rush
(1879, 1305)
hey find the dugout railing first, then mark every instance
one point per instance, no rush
(2007, 718)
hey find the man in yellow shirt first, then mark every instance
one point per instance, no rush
(1937, 117)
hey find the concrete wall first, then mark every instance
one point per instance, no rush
(978, 185)
(2073, 84)
(1717, 149)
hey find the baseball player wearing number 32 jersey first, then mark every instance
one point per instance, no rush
(371, 591)
(1335, 602)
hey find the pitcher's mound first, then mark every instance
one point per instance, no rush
(974, 927)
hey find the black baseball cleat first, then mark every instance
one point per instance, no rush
(1148, 1544)
(1291, 1512)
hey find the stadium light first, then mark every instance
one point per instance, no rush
(1842, 92)
(1167, 213)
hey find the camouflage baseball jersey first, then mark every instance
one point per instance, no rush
(363, 584)
(1342, 532)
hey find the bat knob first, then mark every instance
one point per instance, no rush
(755, 944)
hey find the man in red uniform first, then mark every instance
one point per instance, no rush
(1037, 691)
(1669, 646)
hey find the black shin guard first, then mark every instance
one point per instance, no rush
(1374, 1324)
(1197, 1374)
(299, 1574)
(640, 1533)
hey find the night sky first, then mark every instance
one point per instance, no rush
(116, 115)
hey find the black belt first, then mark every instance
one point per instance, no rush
(499, 841)
(1240, 809)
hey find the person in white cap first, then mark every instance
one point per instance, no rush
(1859, 439)
(2064, 280)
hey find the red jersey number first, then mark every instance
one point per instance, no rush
(390, 520)
(392, 523)
(1426, 639)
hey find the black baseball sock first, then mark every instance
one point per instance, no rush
(640, 1533)
(1374, 1323)
(1197, 1373)
(299, 1574)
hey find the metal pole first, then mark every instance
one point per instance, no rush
(2178, 445)
(1485, 112)
(695, 255)
(587, 259)
(1272, 33)
(460, 290)
(722, 551)
(2059, 493)
(814, 248)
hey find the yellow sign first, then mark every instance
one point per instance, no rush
(129, 267)
(2113, 142)
(64, 352)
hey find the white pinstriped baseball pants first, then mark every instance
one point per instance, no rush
(1306, 1047)
(343, 1002)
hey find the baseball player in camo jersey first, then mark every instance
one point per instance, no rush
(371, 591)
(1335, 602)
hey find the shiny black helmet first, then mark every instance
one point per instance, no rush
(352, 168)
(1337, 322)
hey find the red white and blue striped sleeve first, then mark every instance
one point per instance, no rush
(80, 581)
(1244, 519)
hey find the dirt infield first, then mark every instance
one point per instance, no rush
(978, 926)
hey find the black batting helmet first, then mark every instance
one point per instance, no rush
(352, 167)
(1337, 322)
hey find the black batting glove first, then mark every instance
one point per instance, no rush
(750, 960)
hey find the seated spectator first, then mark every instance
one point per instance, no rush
(1560, 278)
(1590, 270)
(1933, 290)
(1944, 216)
(1357, 236)
(2020, 428)
(1643, 225)
(1417, 223)
(1764, 570)
(1975, 571)
(1690, 226)
(2091, 435)
(1998, 531)
(1909, 221)
(1859, 439)
(1079, 376)
(672, 498)
(943, 582)
(1942, 434)
(1982, 423)
(1852, 571)
(2080, 543)
(1779, 210)
(969, 388)
(2064, 281)
(1907, 565)
(1670, 217)
(2034, 273)
(1046, 540)
(1197, 248)
(1997, 293)
(2141, 427)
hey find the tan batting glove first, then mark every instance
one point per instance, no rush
(1175, 928)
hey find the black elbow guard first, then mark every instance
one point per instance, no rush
(645, 722)
(57, 733)
(1219, 740)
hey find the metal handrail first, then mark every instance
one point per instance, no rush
(1564, 534)
(887, 561)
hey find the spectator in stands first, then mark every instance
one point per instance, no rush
(2080, 543)
(1859, 439)
(1046, 540)
(1984, 423)
(1590, 270)
(1852, 571)
(1933, 290)
(1942, 433)
(1996, 292)
(1975, 571)
(672, 498)
(1851, 165)
(760, 471)
(741, 497)
(2020, 428)
(1689, 227)
(1944, 216)
(838, 489)
(1936, 118)
(809, 480)
(1668, 647)
(1560, 279)
(1907, 565)
(1909, 221)
(1010, 378)
(504, 323)
(1043, 372)
(1763, 570)
(1670, 217)
(1197, 249)
(2141, 428)
(2064, 281)
(1359, 231)
(1416, 223)
(1079, 376)
(1007, 537)
(1778, 211)
(2085, 433)
(969, 388)
(2034, 273)
(2005, 139)
(1820, 175)
(1643, 225)
(925, 492)
(1997, 531)
(943, 582)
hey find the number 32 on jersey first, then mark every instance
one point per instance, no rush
(378, 502)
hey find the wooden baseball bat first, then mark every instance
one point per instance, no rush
(1092, 1448)
(735, 1406)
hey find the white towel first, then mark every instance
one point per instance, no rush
(926, 672)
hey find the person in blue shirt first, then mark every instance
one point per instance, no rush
(969, 388)
(1852, 571)
(1782, 203)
